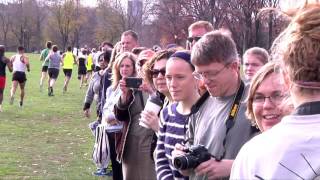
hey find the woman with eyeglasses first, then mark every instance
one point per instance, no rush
(154, 74)
(291, 149)
(267, 100)
(183, 88)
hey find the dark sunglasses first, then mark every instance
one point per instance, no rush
(156, 72)
(191, 39)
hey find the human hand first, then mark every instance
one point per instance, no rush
(101, 72)
(146, 87)
(178, 150)
(112, 122)
(124, 89)
(150, 119)
(86, 113)
(214, 169)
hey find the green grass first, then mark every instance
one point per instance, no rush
(48, 138)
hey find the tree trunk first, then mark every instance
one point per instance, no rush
(257, 40)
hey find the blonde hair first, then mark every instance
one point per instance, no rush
(258, 78)
(114, 54)
(299, 47)
(261, 54)
(116, 76)
(201, 24)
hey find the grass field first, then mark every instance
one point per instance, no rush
(48, 138)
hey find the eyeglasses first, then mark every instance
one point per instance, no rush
(276, 98)
(155, 72)
(208, 75)
(191, 39)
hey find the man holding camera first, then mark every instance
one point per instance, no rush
(218, 120)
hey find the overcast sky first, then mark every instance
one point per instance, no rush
(91, 3)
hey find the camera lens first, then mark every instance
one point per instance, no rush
(180, 162)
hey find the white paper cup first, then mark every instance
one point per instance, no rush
(150, 106)
(143, 125)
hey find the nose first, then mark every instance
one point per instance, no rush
(160, 75)
(172, 84)
(268, 104)
(249, 67)
(205, 81)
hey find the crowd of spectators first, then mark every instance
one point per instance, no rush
(199, 112)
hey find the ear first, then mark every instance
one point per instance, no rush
(235, 65)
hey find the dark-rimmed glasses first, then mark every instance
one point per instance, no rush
(275, 98)
(208, 75)
(155, 72)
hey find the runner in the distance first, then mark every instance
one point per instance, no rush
(4, 61)
(54, 59)
(20, 63)
(69, 59)
(45, 64)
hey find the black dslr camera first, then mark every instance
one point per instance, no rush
(194, 156)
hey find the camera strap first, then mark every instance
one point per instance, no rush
(231, 118)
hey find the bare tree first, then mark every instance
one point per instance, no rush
(63, 20)
(40, 17)
(22, 25)
(156, 21)
(5, 22)
(208, 10)
(244, 24)
(272, 3)
(111, 20)
(172, 21)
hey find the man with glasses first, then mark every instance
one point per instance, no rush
(218, 121)
(196, 31)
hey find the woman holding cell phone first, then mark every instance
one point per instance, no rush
(134, 145)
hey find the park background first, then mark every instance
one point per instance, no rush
(158, 22)
(47, 138)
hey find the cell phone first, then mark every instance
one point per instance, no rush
(133, 82)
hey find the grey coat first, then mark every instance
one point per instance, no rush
(134, 146)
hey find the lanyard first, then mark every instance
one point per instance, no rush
(231, 118)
